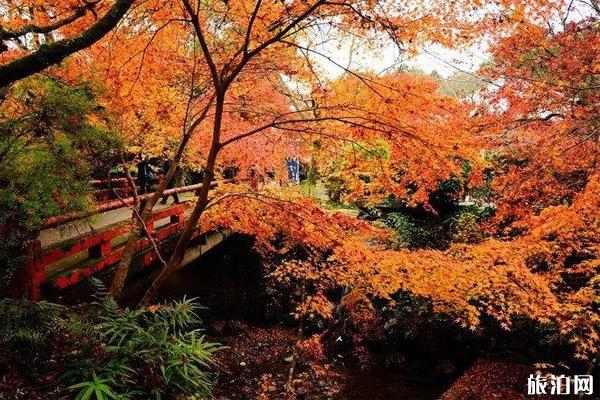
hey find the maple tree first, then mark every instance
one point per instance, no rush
(324, 252)
(531, 276)
(249, 33)
(546, 137)
(241, 44)
(234, 86)
(547, 101)
(402, 122)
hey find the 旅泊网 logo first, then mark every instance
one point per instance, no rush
(560, 385)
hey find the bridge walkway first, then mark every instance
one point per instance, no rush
(75, 229)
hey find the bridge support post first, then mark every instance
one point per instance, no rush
(35, 273)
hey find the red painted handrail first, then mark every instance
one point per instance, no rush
(116, 204)
(110, 180)
(101, 254)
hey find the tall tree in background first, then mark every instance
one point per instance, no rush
(544, 116)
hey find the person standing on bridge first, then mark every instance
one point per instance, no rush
(144, 174)
(168, 161)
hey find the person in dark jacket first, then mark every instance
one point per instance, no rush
(144, 174)
(171, 184)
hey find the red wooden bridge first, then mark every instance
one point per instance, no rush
(70, 248)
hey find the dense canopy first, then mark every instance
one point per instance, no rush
(468, 201)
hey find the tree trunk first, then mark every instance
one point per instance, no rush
(119, 279)
(140, 220)
(179, 252)
(137, 227)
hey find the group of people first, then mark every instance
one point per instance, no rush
(147, 174)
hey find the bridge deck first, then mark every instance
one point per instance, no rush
(72, 230)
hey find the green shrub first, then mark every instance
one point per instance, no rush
(404, 227)
(12, 257)
(336, 188)
(412, 232)
(104, 352)
(96, 388)
(26, 327)
(465, 227)
(49, 147)
(151, 352)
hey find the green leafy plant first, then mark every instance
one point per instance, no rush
(151, 352)
(26, 326)
(336, 188)
(95, 389)
(412, 232)
(465, 228)
(49, 148)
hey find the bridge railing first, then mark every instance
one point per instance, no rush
(113, 182)
(44, 264)
(115, 204)
(98, 244)
(110, 189)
